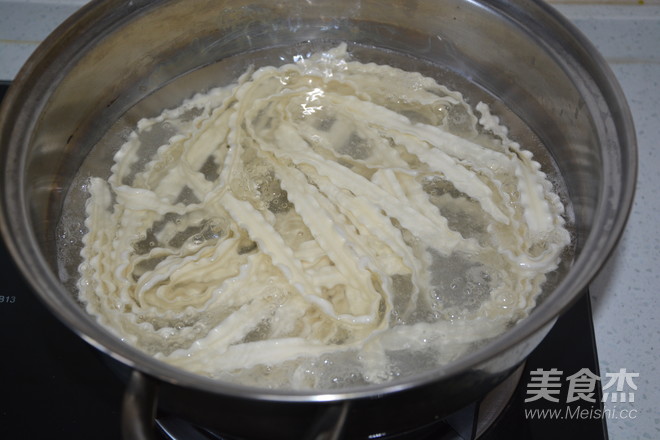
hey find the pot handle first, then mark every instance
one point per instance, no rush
(138, 413)
(330, 425)
(138, 410)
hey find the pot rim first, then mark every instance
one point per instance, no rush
(594, 254)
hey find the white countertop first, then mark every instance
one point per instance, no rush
(625, 295)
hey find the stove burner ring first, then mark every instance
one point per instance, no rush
(469, 423)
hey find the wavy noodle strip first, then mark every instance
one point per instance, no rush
(416, 140)
(334, 239)
(421, 226)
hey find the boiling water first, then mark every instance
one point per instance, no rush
(456, 289)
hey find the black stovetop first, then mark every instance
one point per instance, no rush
(54, 385)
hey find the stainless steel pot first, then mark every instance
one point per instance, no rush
(113, 53)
